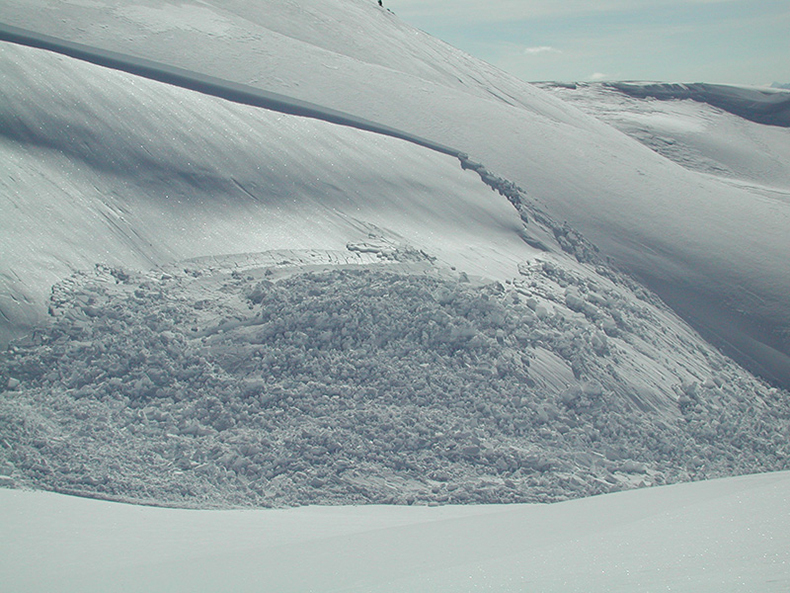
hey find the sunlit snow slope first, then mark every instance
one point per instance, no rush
(724, 535)
(695, 133)
(736, 135)
(715, 251)
(122, 170)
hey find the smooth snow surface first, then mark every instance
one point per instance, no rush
(721, 536)
(208, 85)
(714, 251)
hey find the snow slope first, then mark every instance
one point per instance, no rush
(724, 535)
(131, 172)
(206, 360)
(494, 357)
(696, 134)
(719, 256)
(713, 130)
(766, 106)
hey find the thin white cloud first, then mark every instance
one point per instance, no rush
(542, 49)
(597, 76)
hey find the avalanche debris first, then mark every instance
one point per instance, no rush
(239, 385)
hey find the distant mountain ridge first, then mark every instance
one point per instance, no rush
(759, 105)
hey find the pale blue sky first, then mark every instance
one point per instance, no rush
(727, 41)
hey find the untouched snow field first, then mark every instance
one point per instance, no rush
(693, 133)
(768, 106)
(715, 251)
(720, 536)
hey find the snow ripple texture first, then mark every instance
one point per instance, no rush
(370, 384)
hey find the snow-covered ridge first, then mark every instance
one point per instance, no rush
(765, 106)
